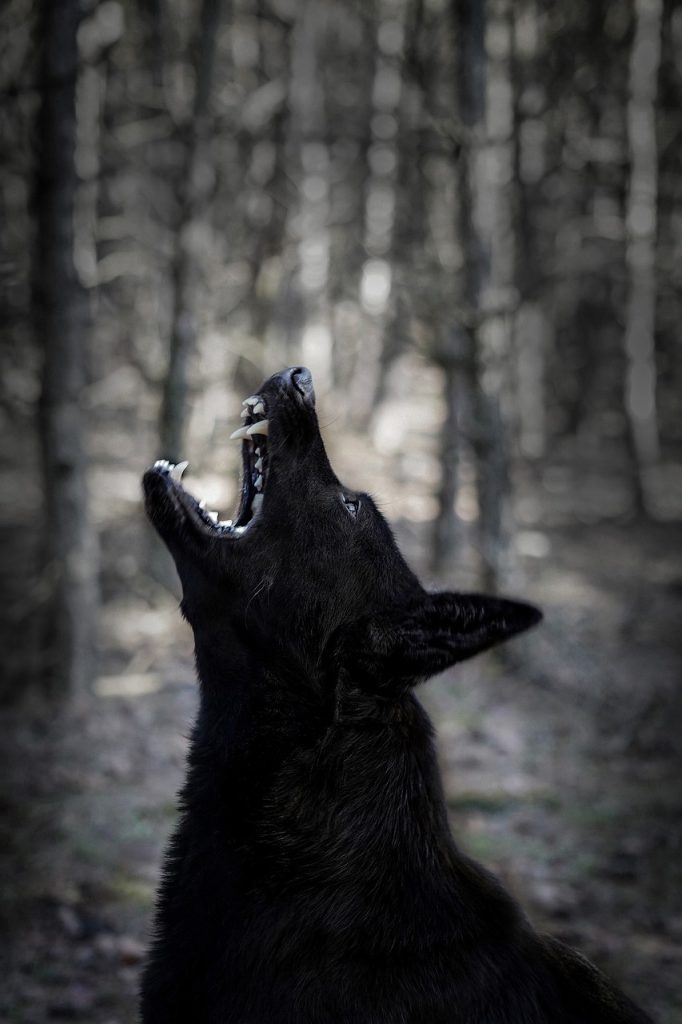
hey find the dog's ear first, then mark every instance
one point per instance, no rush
(426, 636)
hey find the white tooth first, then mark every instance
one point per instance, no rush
(202, 504)
(177, 471)
(259, 483)
(259, 410)
(238, 434)
(212, 515)
(257, 428)
(225, 522)
(256, 503)
(239, 529)
(244, 413)
(251, 400)
(257, 451)
(259, 465)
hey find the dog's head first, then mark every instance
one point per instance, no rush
(308, 572)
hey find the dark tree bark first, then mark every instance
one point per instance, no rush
(640, 345)
(482, 287)
(267, 240)
(409, 227)
(62, 324)
(531, 329)
(153, 11)
(299, 319)
(183, 331)
(384, 186)
(351, 130)
(455, 358)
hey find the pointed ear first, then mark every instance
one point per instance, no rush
(426, 636)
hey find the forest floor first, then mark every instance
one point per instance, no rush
(561, 767)
(561, 759)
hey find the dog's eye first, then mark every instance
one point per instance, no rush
(351, 504)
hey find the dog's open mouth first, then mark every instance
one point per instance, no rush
(254, 437)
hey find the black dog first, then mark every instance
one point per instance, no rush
(313, 877)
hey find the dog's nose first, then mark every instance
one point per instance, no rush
(301, 378)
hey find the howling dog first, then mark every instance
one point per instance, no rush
(313, 878)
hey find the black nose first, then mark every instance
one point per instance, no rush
(300, 378)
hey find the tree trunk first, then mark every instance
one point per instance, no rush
(378, 287)
(183, 323)
(62, 325)
(455, 359)
(531, 327)
(301, 323)
(640, 351)
(410, 220)
(498, 301)
(350, 171)
(484, 228)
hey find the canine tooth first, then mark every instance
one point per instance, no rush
(239, 434)
(177, 470)
(251, 400)
(259, 410)
(259, 465)
(257, 503)
(212, 515)
(259, 483)
(257, 428)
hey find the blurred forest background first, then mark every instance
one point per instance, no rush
(466, 217)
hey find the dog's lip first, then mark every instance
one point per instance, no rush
(184, 504)
(260, 410)
(253, 435)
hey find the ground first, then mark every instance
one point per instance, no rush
(561, 759)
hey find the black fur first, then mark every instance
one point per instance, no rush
(313, 877)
